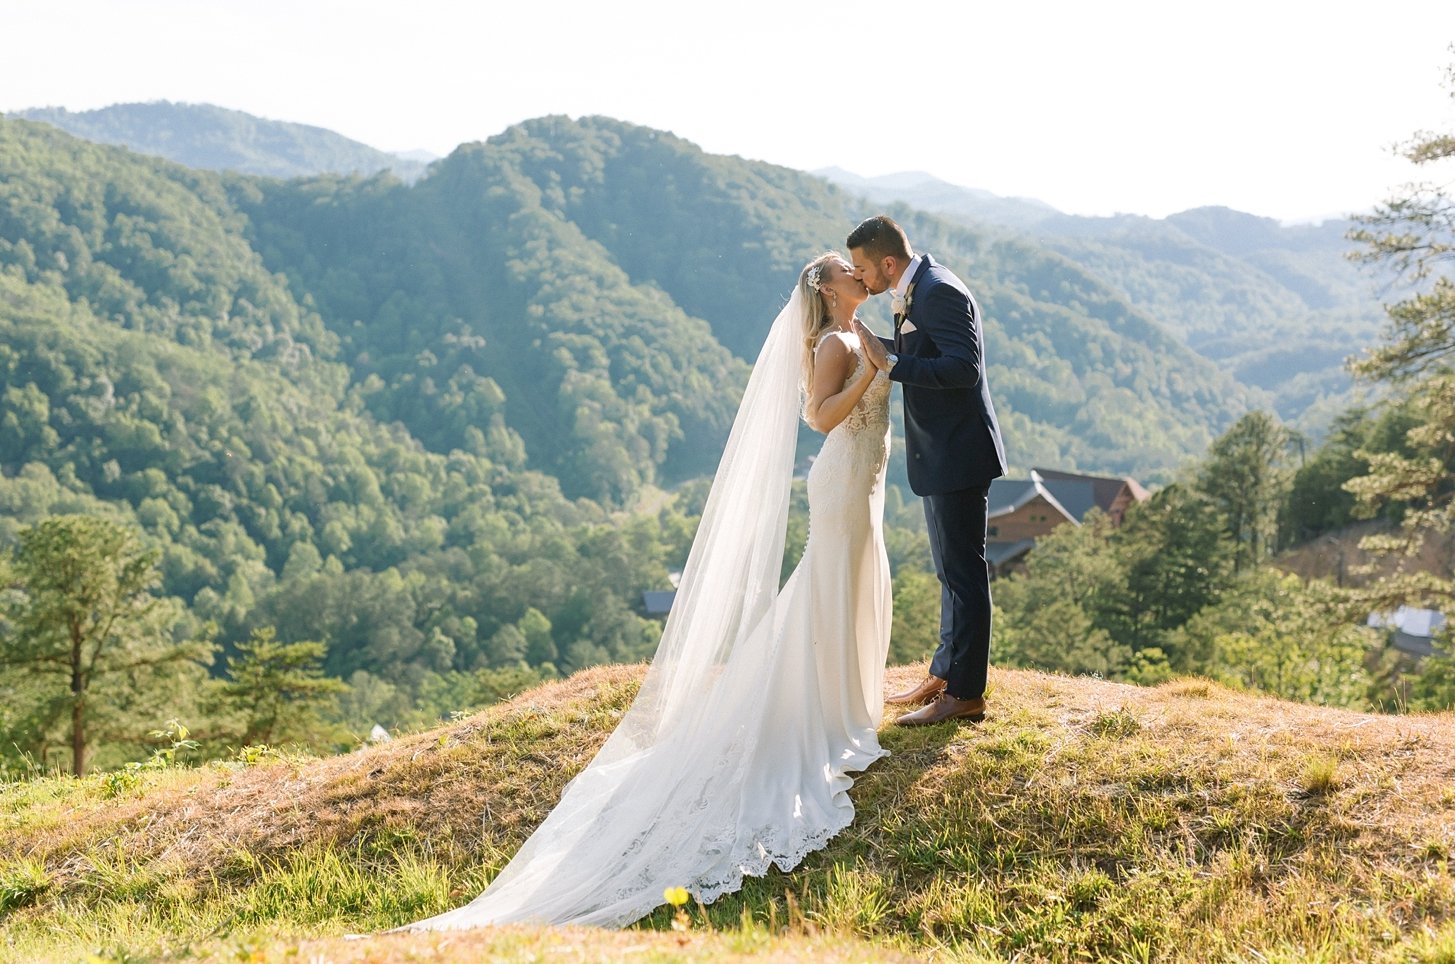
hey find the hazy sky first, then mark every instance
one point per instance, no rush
(1285, 108)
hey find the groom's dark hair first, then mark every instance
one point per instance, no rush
(880, 237)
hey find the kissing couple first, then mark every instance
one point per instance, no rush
(760, 702)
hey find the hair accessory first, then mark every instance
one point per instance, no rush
(814, 277)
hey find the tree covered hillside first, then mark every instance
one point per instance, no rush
(414, 422)
(578, 229)
(1278, 306)
(153, 370)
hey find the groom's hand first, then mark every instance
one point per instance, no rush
(873, 348)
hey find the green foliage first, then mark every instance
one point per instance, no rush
(278, 691)
(23, 882)
(1318, 500)
(1414, 235)
(1432, 687)
(130, 778)
(1273, 632)
(1159, 596)
(1108, 600)
(1055, 615)
(915, 631)
(1177, 559)
(85, 622)
(450, 694)
(1246, 475)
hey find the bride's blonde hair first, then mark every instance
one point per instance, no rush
(816, 318)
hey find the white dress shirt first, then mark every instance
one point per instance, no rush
(902, 288)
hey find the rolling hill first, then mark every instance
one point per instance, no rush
(1185, 822)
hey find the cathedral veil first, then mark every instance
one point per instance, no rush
(605, 852)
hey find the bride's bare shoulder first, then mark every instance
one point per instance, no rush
(837, 343)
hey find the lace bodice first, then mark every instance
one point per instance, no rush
(854, 453)
(872, 410)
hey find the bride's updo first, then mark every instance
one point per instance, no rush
(816, 318)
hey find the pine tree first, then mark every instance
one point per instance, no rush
(279, 690)
(82, 619)
(1414, 236)
(1246, 476)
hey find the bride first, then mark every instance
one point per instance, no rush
(736, 753)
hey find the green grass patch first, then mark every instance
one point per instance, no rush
(1058, 830)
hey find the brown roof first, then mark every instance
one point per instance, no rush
(1105, 488)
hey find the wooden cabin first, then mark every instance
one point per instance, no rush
(1023, 510)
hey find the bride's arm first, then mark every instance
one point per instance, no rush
(829, 400)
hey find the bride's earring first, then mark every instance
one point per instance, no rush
(833, 301)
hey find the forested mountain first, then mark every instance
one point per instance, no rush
(643, 214)
(413, 420)
(718, 236)
(152, 367)
(1278, 306)
(218, 139)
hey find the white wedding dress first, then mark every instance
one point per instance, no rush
(736, 752)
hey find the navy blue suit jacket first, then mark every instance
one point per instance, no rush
(951, 436)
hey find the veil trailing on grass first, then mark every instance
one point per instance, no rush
(676, 795)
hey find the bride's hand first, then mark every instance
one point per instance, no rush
(874, 349)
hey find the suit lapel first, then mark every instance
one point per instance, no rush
(924, 265)
(919, 273)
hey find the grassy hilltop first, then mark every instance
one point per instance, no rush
(1083, 820)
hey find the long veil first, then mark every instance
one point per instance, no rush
(663, 801)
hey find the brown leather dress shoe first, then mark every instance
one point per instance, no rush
(923, 693)
(945, 707)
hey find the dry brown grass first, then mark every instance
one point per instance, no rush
(568, 945)
(1186, 821)
(498, 771)
(485, 781)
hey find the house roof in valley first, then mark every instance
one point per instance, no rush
(1412, 630)
(1104, 487)
(1071, 494)
(1010, 495)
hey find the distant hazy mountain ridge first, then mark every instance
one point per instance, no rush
(927, 192)
(1279, 306)
(217, 139)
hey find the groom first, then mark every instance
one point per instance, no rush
(953, 445)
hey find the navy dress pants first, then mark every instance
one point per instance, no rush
(957, 542)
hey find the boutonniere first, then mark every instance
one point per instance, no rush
(900, 305)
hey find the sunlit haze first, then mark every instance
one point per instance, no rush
(1283, 109)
